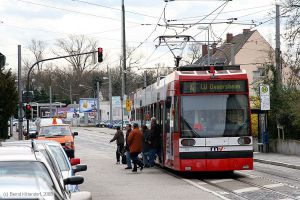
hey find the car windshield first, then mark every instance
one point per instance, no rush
(214, 116)
(49, 131)
(14, 172)
(59, 157)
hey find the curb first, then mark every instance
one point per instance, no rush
(277, 163)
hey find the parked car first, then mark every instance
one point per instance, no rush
(110, 125)
(120, 124)
(55, 151)
(102, 123)
(32, 129)
(26, 171)
(60, 133)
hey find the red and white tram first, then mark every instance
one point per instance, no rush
(204, 114)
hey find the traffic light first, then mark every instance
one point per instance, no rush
(100, 55)
(28, 111)
(2, 60)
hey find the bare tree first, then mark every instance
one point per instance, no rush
(194, 54)
(78, 44)
(291, 8)
(38, 47)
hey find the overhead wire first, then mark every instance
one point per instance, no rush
(231, 11)
(184, 31)
(112, 8)
(73, 11)
(266, 21)
(204, 17)
(224, 5)
(164, 9)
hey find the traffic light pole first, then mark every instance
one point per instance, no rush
(20, 120)
(43, 60)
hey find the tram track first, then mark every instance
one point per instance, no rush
(266, 190)
(277, 175)
(230, 192)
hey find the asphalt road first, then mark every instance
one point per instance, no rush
(106, 180)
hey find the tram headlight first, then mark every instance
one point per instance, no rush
(244, 140)
(188, 142)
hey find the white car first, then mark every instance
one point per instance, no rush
(27, 172)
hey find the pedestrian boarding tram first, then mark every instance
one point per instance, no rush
(204, 114)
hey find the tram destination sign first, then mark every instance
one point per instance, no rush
(213, 86)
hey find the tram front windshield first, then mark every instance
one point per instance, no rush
(214, 116)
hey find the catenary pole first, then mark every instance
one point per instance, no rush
(277, 49)
(124, 59)
(20, 124)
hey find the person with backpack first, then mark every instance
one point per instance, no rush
(119, 137)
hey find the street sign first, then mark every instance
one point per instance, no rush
(264, 92)
(128, 105)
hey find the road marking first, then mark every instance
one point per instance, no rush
(249, 189)
(221, 180)
(274, 185)
(287, 199)
(204, 189)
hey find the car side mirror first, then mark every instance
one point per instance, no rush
(75, 133)
(74, 180)
(81, 195)
(80, 168)
(75, 161)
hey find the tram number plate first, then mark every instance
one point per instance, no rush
(216, 148)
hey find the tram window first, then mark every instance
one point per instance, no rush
(214, 116)
(175, 113)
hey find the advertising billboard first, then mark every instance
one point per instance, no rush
(87, 105)
(63, 112)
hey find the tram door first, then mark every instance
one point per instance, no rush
(168, 129)
(160, 120)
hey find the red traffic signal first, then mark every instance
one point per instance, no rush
(28, 107)
(28, 111)
(100, 55)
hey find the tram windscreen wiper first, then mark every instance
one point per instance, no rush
(188, 128)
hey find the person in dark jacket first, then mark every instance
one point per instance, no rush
(135, 146)
(128, 160)
(119, 137)
(146, 145)
(154, 141)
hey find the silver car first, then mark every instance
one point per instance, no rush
(25, 173)
(53, 151)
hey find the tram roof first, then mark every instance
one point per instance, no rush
(205, 68)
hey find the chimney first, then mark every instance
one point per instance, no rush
(229, 37)
(204, 50)
(245, 31)
(214, 48)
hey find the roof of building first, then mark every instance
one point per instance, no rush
(223, 53)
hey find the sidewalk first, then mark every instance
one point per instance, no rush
(289, 161)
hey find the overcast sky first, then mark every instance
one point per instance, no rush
(47, 20)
